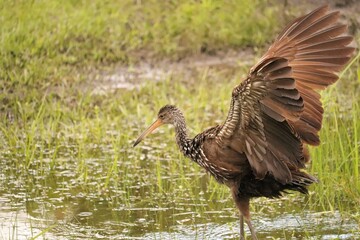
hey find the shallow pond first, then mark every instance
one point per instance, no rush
(58, 204)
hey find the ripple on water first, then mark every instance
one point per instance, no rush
(292, 226)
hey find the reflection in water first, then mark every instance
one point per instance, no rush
(19, 225)
(81, 216)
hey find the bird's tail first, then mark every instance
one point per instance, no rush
(301, 180)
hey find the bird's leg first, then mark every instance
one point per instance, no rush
(252, 229)
(243, 205)
(242, 234)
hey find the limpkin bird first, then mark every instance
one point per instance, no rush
(261, 148)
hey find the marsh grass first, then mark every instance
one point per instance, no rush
(61, 142)
(93, 141)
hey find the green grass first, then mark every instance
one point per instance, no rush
(61, 142)
(336, 161)
(48, 44)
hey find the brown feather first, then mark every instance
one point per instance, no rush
(281, 91)
(302, 22)
(341, 41)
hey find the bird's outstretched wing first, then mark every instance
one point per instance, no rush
(277, 109)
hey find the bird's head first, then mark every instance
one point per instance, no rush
(166, 115)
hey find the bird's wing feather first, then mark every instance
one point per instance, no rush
(256, 122)
(277, 107)
(317, 49)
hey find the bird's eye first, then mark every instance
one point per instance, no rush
(161, 116)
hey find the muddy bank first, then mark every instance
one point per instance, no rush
(130, 77)
(147, 69)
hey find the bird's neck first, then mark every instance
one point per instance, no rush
(182, 138)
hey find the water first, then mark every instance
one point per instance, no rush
(59, 205)
(86, 219)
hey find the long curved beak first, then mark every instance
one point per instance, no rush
(153, 126)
